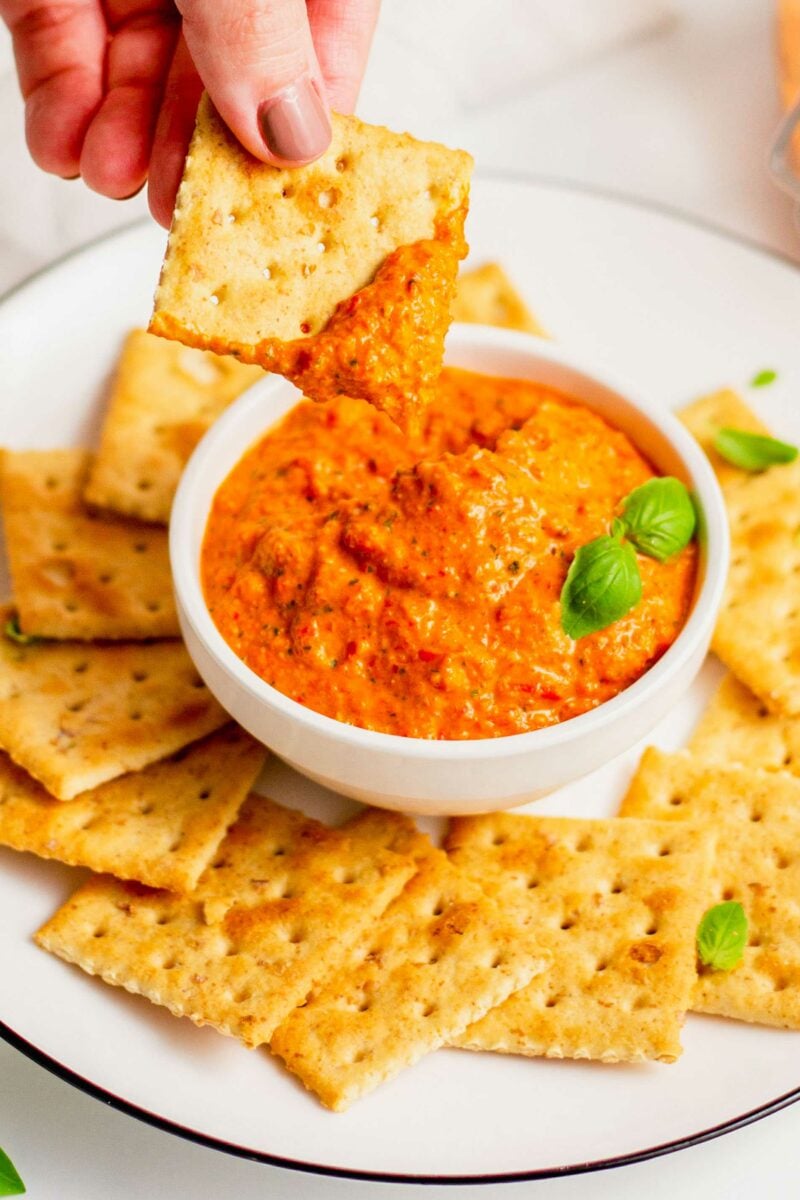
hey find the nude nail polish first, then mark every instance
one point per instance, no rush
(294, 123)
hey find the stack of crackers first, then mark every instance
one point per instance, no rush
(740, 774)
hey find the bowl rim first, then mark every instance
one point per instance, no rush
(705, 487)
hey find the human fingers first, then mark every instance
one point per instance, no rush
(117, 145)
(342, 32)
(256, 57)
(59, 50)
(173, 132)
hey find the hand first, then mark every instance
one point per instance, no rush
(111, 86)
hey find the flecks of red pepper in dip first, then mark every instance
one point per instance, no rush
(385, 343)
(412, 585)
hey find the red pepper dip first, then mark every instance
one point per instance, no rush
(385, 343)
(411, 585)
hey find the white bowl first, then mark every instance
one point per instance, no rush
(450, 777)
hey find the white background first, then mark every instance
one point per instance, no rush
(682, 118)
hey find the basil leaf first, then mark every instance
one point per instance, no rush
(15, 634)
(659, 517)
(752, 451)
(721, 936)
(763, 378)
(10, 1182)
(603, 584)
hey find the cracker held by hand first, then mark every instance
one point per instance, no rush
(756, 816)
(160, 826)
(486, 296)
(261, 252)
(282, 903)
(163, 398)
(338, 275)
(737, 727)
(758, 630)
(442, 955)
(617, 905)
(76, 575)
(75, 715)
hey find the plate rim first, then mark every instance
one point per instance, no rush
(167, 1125)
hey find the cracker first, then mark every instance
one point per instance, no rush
(617, 905)
(283, 901)
(260, 252)
(75, 715)
(160, 826)
(486, 296)
(737, 727)
(163, 398)
(757, 818)
(705, 417)
(758, 630)
(386, 830)
(442, 956)
(76, 575)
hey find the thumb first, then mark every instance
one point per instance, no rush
(257, 60)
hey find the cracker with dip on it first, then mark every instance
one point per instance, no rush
(339, 275)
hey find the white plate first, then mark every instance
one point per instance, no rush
(675, 308)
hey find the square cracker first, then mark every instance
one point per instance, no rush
(160, 826)
(76, 575)
(282, 903)
(442, 955)
(257, 251)
(758, 630)
(757, 818)
(163, 398)
(75, 715)
(617, 905)
(737, 727)
(486, 296)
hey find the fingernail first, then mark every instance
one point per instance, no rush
(294, 123)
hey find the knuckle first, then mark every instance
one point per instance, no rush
(41, 19)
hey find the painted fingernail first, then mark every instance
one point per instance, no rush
(294, 124)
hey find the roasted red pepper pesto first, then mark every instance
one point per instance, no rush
(385, 343)
(412, 585)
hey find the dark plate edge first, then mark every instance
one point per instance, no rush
(90, 1089)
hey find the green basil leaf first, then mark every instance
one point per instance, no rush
(722, 936)
(15, 634)
(603, 584)
(764, 378)
(10, 1182)
(752, 451)
(659, 517)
